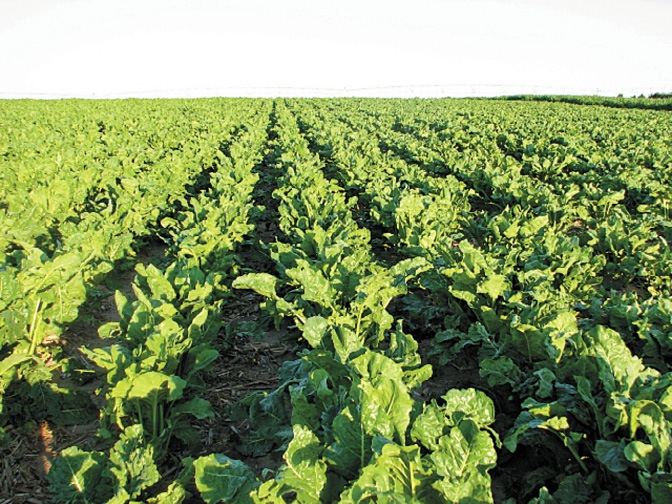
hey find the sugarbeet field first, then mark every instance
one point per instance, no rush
(335, 300)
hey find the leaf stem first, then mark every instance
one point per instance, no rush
(32, 334)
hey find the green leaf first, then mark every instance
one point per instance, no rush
(175, 494)
(76, 476)
(147, 384)
(223, 479)
(562, 327)
(268, 418)
(199, 358)
(64, 406)
(351, 449)
(500, 371)
(9, 365)
(527, 421)
(533, 226)
(462, 460)
(469, 404)
(546, 384)
(494, 286)
(160, 286)
(648, 416)
(133, 461)
(429, 426)
(316, 288)
(584, 388)
(109, 330)
(661, 488)
(124, 306)
(397, 475)
(385, 401)
(261, 283)
(612, 455)
(314, 331)
(643, 455)
(618, 368)
(196, 407)
(409, 268)
(304, 473)
(580, 489)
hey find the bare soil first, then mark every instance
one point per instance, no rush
(249, 365)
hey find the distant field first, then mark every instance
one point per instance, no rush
(336, 300)
(656, 101)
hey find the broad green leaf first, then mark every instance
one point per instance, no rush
(471, 404)
(494, 286)
(8, 365)
(268, 416)
(429, 426)
(261, 283)
(385, 401)
(546, 384)
(62, 406)
(605, 425)
(150, 383)
(314, 331)
(580, 489)
(304, 473)
(351, 449)
(409, 268)
(175, 494)
(396, 475)
(562, 327)
(533, 226)
(197, 407)
(612, 455)
(665, 403)
(159, 285)
(140, 325)
(618, 368)
(500, 371)
(202, 327)
(462, 460)
(76, 476)
(133, 462)
(110, 330)
(661, 488)
(539, 417)
(316, 287)
(473, 258)
(528, 339)
(199, 358)
(345, 339)
(223, 479)
(643, 455)
(648, 416)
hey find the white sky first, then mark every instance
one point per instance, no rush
(123, 48)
